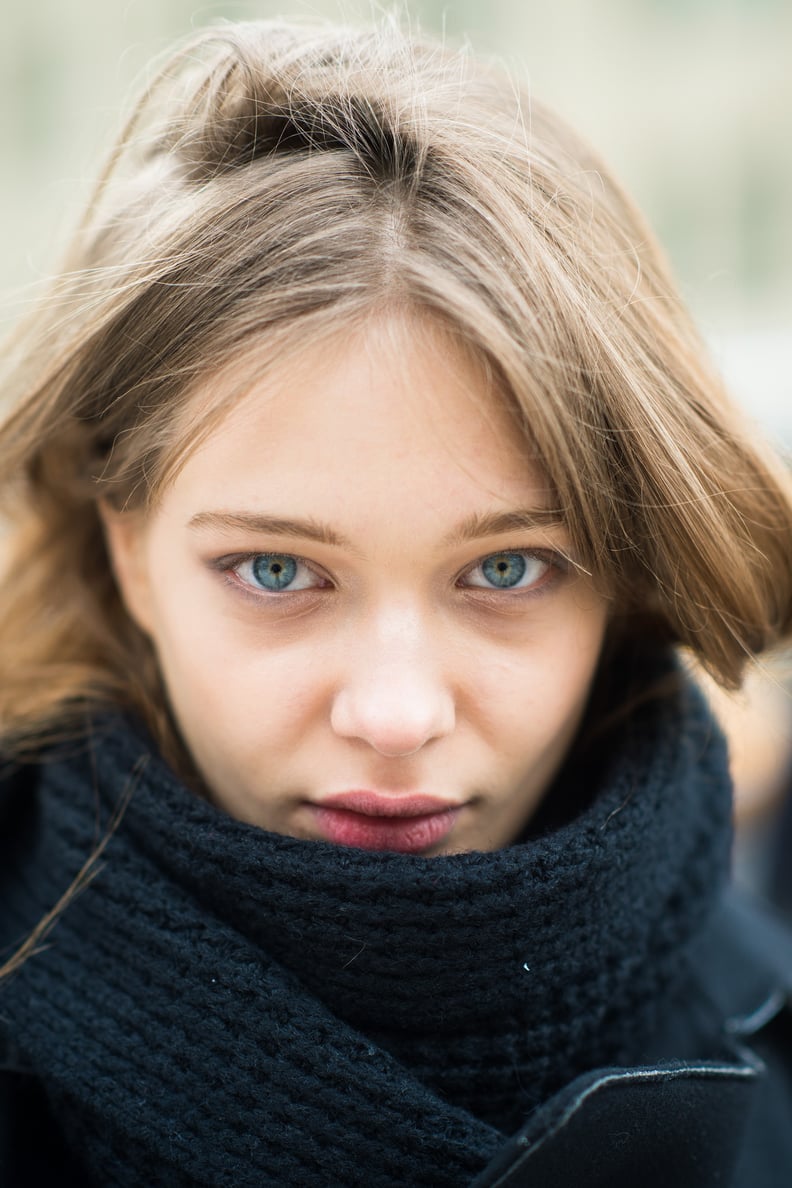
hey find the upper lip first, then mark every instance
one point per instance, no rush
(381, 804)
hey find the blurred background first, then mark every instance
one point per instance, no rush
(689, 100)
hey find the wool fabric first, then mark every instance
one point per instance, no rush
(225, 1006)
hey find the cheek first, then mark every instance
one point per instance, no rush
(229, 682)
(530, 696)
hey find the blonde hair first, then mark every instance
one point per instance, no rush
(277, 183)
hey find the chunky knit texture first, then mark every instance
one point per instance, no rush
(225, 1006)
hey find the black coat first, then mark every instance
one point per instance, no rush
(711, 1106)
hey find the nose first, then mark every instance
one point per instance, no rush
(395, 696)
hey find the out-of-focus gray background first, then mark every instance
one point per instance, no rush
(689, 100)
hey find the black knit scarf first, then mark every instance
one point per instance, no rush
(226, 1006)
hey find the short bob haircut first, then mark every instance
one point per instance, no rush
(278, 183)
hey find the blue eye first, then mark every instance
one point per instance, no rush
(275, 572)
(507, 571)
(504, 569)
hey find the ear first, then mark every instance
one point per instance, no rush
(125, 538)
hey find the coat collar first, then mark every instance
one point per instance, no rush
(680, 1122)
(656, 1126)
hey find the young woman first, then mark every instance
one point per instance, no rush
(360, 825)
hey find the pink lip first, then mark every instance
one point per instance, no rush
(373, 821)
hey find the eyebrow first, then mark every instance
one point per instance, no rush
(522, 519)
(244, 521)
(472, 528)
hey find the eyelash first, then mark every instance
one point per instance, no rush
(558, 567)
(230, 566)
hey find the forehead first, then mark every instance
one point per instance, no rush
(395, 413)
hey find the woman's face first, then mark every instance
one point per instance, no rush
(364, 617)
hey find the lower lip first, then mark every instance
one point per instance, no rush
(403, 835)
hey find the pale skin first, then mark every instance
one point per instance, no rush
(425, 645)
